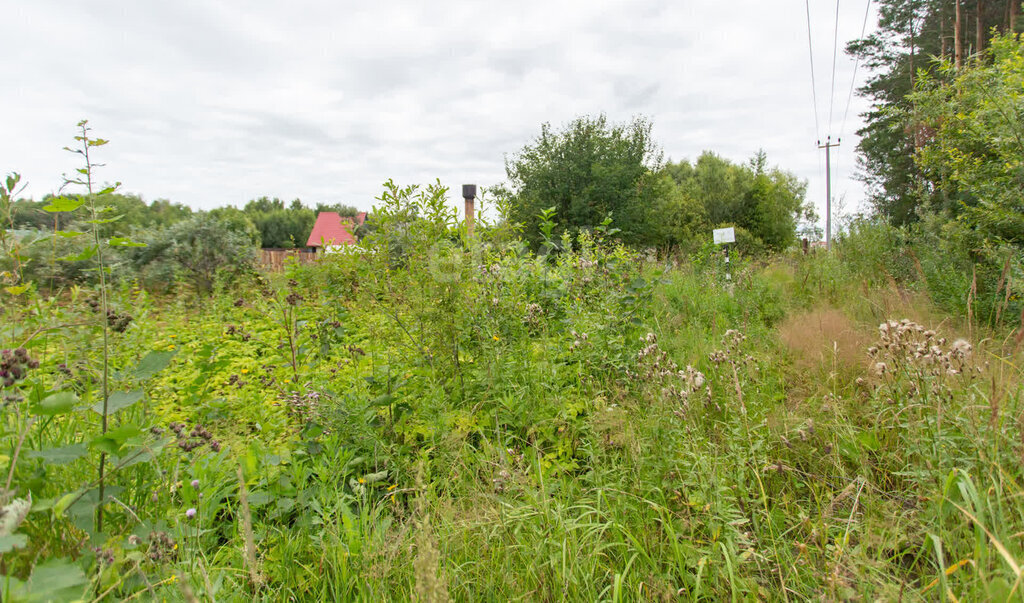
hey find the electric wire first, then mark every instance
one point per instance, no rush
(856, 64)
(814, 86)
(835, 54)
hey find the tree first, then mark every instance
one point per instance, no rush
(682, 217)
(279, 225)
(236, 220)
(766, 202)
(588, 171)
(131, 213)
(975, 154)
(907, 29)
(347, 211)
(910, 34)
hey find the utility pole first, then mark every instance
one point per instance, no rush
(469, 194)
(828, 187)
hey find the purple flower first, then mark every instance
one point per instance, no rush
(190, 513)
(195, 484)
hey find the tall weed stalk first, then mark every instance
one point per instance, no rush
(86, 178)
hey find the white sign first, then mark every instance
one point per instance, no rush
(724, 235)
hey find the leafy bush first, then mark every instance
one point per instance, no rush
(203, 251)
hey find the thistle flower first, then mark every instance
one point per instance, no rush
(962, 348)
(190, 513)
(15, 365)
(12, 514)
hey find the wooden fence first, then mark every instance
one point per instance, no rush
(274, 259)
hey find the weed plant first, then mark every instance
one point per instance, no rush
(436, 417)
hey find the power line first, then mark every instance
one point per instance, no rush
(835, 54)
(856, 63)
(814, 86)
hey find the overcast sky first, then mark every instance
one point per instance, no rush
(212, 103)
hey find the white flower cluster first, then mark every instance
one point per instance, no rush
(905, 344)
(579, 340)
(12, 514)
(655, 367)
(731, 341)
(534, 313)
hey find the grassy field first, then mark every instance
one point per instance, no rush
(431, 422)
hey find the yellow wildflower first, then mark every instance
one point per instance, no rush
(496, 338)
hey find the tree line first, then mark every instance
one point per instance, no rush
(942, 149)
(917, 44)
(267, 222)
(593, 169)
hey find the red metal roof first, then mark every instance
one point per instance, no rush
(331, 229)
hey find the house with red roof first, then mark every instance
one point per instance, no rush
(332, 232)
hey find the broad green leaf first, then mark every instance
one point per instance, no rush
(259, 498)
(12, 181)
(124, 242)
(105, 444)
(40, 505)
(65, 501)
(117, 401)
(110, 189)
(115, 439)
(17, 290)
(153, 363)
(59, 456)
(12, 541)
(86, 253)
(141, 454)
(63, 204)
(67, 234)
(105, 220)
(383, 400)
(54, 580)
(56, 404)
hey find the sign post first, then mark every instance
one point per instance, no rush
(724, 236)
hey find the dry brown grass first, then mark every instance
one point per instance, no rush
(826, 340)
